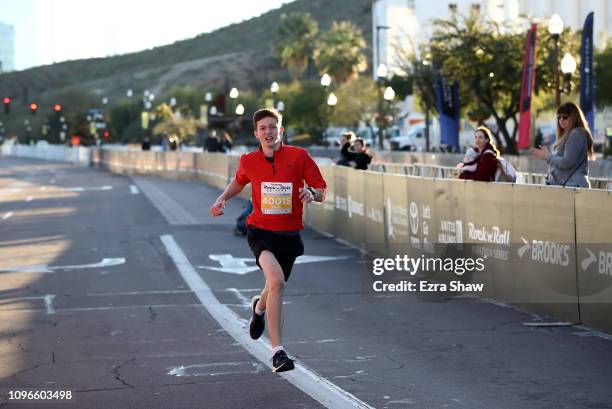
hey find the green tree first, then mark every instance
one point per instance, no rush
(486, 58)
(184, 127)
(297, 33)
(603, 76)
(356, 102)
(340, 53)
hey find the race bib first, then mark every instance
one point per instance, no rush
(276, 198)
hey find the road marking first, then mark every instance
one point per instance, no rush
(87, 189)
(244, 300)
(44, 268)
(49, 303)
(29, 199)
(169, 208)
(213, 369)
(238, 265)
(7, 215)
(317, 387)
(134, 189)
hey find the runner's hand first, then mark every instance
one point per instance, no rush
(217, 208)
(306, 196)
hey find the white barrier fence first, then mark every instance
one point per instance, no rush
(57, 153)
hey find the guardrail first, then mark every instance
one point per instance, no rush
(78, 155)
(550, 247)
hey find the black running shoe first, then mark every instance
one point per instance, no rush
(281, 362)
(257, 323)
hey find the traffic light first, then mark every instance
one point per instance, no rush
(7, 105)
(57, 108)
(33, 108)
(106, 134)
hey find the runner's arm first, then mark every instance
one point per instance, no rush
(313, 178)
(232, 189)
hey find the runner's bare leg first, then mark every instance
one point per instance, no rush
(272, 295)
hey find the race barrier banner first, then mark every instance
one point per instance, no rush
(593, 221)
(374, 225)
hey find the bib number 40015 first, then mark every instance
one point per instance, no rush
(276, 198)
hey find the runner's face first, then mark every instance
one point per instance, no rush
(268, 132)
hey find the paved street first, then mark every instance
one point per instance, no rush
(126, 293)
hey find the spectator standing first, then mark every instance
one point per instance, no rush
(568, 162)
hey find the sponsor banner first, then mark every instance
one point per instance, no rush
(488, 226)
(447, 95)
(593, 221)
(341, 212)
(397, 224)
(527, 83)
(321, 216)
(356, 207)
(421, 219)
(374, 207)
(587, 75)
(543, 230)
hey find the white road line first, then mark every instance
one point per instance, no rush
(134, 189)
(49, 303)
(317, 387)
(7, 215)
(240, 296)
(29, 199)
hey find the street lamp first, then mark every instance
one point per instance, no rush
(332, 100)
(555, 28)
(325, 81)
(274, 90)
(381, 80)
(172, 102)
(208, 97)
(234, 93)
(129, 93)
(240, 109)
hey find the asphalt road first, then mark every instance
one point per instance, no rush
(126, 293)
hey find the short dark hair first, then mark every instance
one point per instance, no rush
(267, 113)
(360, 140)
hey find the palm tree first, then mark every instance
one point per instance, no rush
(297, 32)
(340, 53)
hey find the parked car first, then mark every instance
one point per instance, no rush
(413, 141)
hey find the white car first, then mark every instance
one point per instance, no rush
(413, 141)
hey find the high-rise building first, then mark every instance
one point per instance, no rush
(7, 47)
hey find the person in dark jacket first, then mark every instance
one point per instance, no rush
(487, 157)
(346, 139)
(359, 154)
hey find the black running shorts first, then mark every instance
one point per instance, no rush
(286, 246)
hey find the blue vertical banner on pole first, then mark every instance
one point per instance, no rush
(447, 96)
(587, 76)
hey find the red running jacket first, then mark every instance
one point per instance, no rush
(276, 186)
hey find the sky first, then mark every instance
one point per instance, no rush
(48, 31)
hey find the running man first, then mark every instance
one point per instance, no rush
(277, 173)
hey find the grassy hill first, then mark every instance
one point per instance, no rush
(236, 55)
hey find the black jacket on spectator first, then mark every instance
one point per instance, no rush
(362, 159)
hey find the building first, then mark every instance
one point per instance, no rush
(404, 24)
(7, 47)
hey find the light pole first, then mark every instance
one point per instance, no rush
(381, 81)
(325, 83)
(274, 90)
(555, 28)
(378, 28)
